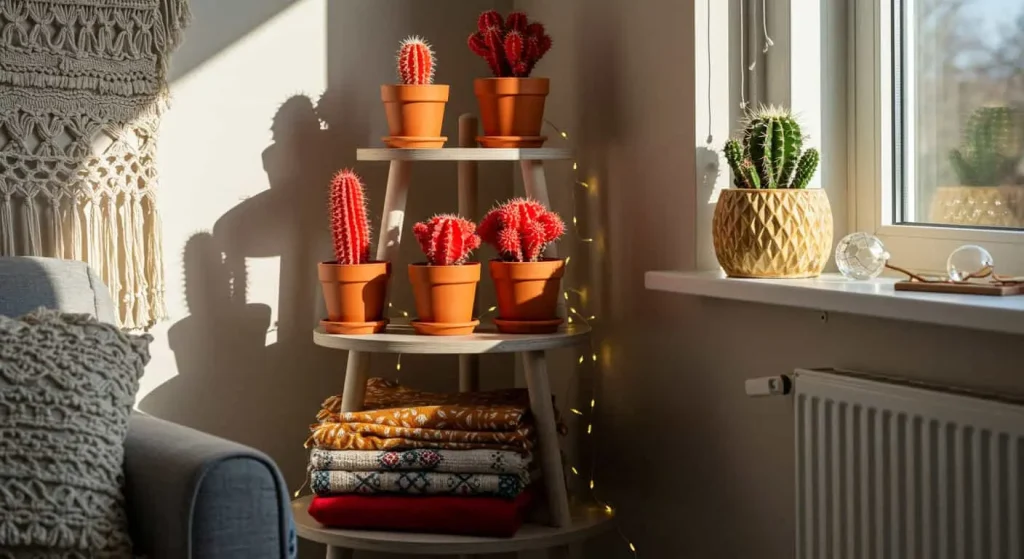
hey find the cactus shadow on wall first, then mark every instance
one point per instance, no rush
(240, 376)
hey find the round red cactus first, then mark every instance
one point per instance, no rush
(446, 239)
(510, 46)
(415, 62)
(350, 228)
(521, 229)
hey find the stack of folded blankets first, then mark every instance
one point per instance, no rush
(425, 462)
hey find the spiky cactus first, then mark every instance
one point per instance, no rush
(349, 227)
(446, 239)
(511, 46)
(415, 62)
(770, 154)
(521, 229)
(991, 147)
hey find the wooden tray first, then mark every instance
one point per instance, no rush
(962, 288)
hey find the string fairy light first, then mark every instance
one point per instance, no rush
(574, 311)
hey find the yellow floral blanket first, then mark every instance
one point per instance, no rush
(388, 403)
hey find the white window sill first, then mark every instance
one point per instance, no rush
(834, 293)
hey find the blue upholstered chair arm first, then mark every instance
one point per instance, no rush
(193, 495)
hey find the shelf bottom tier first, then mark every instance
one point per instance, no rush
(587, 521)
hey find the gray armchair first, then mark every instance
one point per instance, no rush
(190, 495)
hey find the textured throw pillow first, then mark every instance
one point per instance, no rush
(67, 386)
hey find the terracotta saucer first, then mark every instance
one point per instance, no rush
(511, 141)
(444, 328)
(528, 326)
(354, 328)
(414, 142)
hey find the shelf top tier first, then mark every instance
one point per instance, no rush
(463, 154)
(586, 523)
(402, 339)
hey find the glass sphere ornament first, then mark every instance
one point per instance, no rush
(968, 261)
(861, 256)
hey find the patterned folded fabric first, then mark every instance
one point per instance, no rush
(452, 461)
(370, 436)
(440, 514)
(388, 403)
(328, 482)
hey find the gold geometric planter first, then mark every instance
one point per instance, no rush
(777, 233)
(978, 206)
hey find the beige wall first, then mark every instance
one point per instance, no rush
(694, 468)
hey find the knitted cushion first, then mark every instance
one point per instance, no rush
(67, 386)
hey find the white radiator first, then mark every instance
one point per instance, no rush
(888, 471)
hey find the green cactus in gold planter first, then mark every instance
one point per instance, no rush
(770, 153)
(771, 225)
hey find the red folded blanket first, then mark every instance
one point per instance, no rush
(439, 514)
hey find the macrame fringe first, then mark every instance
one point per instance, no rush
(117, 233)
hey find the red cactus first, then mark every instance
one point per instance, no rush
(489, 19)
(349, 226)
(415, 62)
(446, 239)
(511, 47)
(521, 229)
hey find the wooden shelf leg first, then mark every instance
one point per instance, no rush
(334, 552)
(394, 211)
(469, 365)
(536, 370)
(356, 372)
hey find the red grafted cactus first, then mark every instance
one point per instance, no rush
(521, 229)
(349, 226)
(415, 62)
(511, 46)
(446, 239)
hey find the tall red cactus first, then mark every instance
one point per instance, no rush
(521, 229)
(511, 46)
(446, 239)
(415, 62)
(349, 227)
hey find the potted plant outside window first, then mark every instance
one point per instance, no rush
(511, 102)
(527, 285)
(444, 287)
(986, 164)
(415, 107)
(771, 225)
(354, 286)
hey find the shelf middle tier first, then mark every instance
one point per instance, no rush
(402, 339)
(463, 154)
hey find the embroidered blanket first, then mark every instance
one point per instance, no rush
(448, 461)
(327, 482)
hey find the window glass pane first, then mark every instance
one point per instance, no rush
(959, 76)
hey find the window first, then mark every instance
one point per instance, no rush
(958, 72)
(937, 127)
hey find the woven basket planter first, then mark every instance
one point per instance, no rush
(779, 233)
(979, 206)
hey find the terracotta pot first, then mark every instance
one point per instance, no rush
(511, 106)
(415, 111)
(444, 294)
(772, 233)
(979, 206)
(354, 293)
(527, 291)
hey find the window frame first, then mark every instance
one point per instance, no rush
(872, 157)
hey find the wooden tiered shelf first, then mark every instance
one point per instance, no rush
(568, 526)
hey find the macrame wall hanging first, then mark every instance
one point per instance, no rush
(82, 87)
